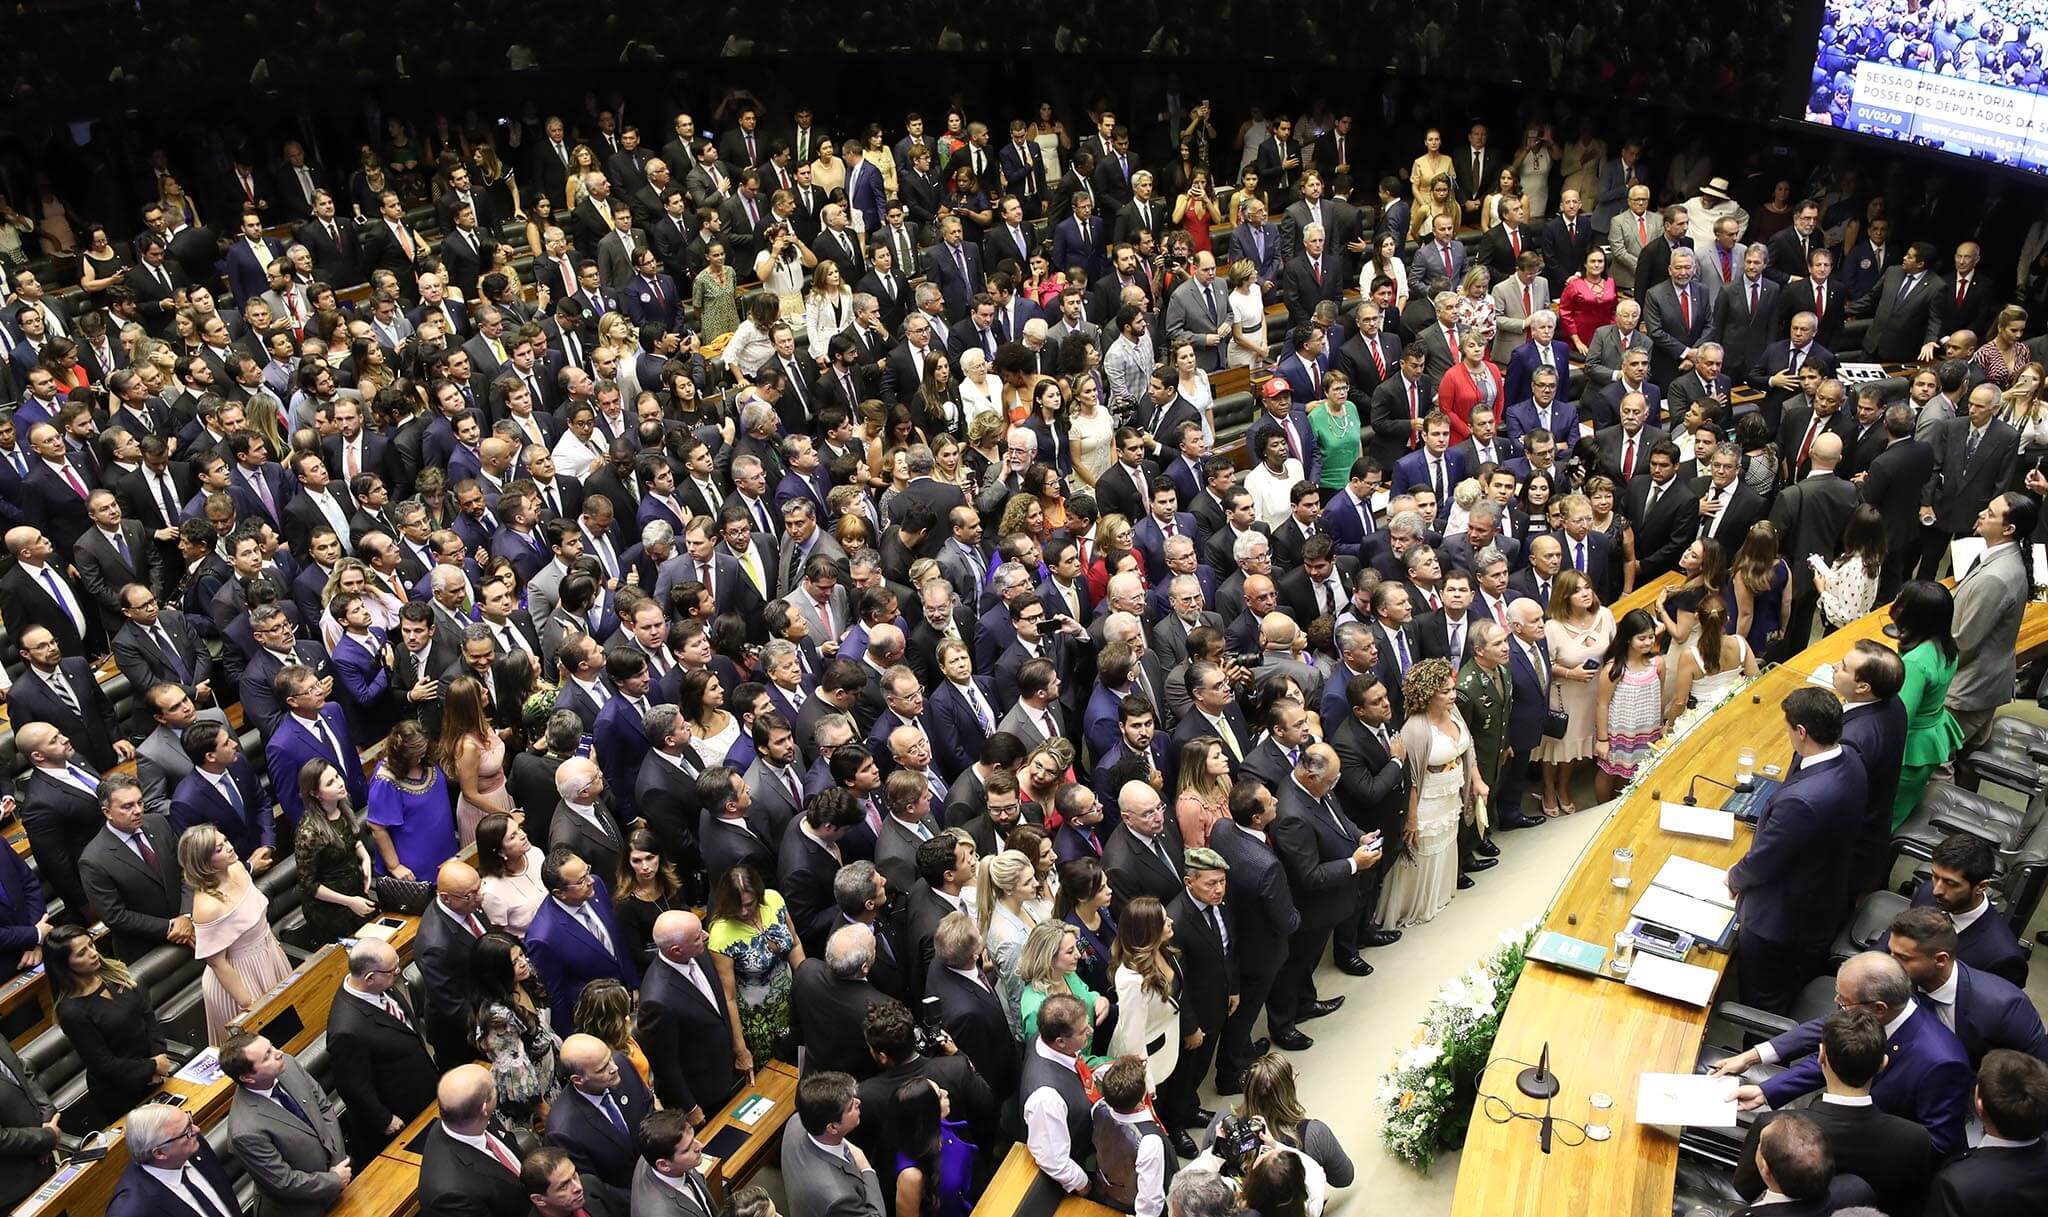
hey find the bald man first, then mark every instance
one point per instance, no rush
(683, 1025)
(1809, 516)
(468, 1166)
(596, 1117)
(448, 931)
(382, 1070)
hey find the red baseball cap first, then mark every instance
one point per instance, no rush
(1275, 387)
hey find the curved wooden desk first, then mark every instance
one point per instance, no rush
(1602, 1034)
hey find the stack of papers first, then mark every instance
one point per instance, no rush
(1696, 879)
(1706, 922)
(1669, 978)
(1681, 1099)
(1696, 821)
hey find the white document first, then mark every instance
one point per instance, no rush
(1824, 676)
(1696, 821)
(1668, 978)
(1680, 1099)
(1707, 922)
(1962, 552)
(1696, 879)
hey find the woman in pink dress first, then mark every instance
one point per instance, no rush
(1588, 301)
(473, 755)
(231, 930)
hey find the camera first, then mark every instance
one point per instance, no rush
(932, 1039)
(1237, 1140)
(1248, 660)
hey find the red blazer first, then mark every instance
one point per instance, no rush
(1456, 394)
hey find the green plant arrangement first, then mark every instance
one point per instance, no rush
(1426, 1098)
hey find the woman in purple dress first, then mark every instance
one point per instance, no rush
(935, 1162)
(411, 817)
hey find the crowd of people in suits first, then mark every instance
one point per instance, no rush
(936, 707)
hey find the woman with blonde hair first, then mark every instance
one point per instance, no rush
(1202, 794)
(1091, 429)
(1148, 987)
(333, 864)
(1004, 884)
(1444, 787)
(1760, 586)
(1043, 773)
(473, 754)
(2023, 408)
(1437, 198)
(230, 930)
(828, 306)
(605, 1009)
(1248, 347)
(1427, 170)
(1049, 963)
(2004, 352)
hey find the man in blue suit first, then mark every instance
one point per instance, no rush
(1078, 240)
(955, 265)
(1257, 240)
(1986, 1012)
(573, 938)
(165, 1139)
(1542, 350)
(1588, 550)
(1529, 673)
(224, 791)
(1305, 362)
(1792, 887)
(1443, 255)
(1541, 410)
(311, 727)
(651, 296)
(1963, 866)
(1926, 1077)
(597, 1116)
(619, 734)
(21, 916)
(1163, 522)
(1432, 465)
(275, 651)
(249, 257)
(1868, 680)
(361, 668)
(864, 188)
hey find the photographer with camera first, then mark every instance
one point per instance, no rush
(783, 259)
(908, 1048)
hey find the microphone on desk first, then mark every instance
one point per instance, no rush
(1538, 1082)
(1693, 800)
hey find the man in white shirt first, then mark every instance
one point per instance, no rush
(1056, 1106)
(171, 1171)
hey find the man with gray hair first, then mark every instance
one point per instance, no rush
(171, 1168)
(829, 1001)
(581, 821)
(994, 633)
(1200, 1193)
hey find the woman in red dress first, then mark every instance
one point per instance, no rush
(1588, 301)
(1472, 381)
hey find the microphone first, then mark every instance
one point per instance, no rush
(1538, 1082)
(1692, 800)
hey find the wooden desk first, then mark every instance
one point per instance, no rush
(1602, 1035)
(1019, 1190)
(778, 1082)
(1645, 596)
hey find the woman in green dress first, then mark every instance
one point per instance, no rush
(1049, 964)
(756, 952)
(713, 294)
(1924, 613)
(1338, 432)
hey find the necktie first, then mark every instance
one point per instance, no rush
(121, 547)
(1527, 306)
(326, 739)
(1401, 649)
(232, 793)
(1728, 272)
(261, 486)
(1685, 306)
(64, 691)
(1436, 480)
(199, 1194)
(1798, 357)
(589, 918)
(1970, 445)
(291, 1105)
(163, 642)
(610, 1107)
(1216, 923)
(1642, 231)
(63, 598)
(1906, 288)
(1628, 459)
(83, 778)
(1579, 556)
(1752, 297)
(141, 844)
(1962, 290)
(498, 1152)
(71, 479)
(1820, 300)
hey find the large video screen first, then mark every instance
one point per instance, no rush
(1963, 76)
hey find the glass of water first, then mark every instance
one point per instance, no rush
(1624, 862)
(1745, 767)
(1624, 956)
(1602, 1105)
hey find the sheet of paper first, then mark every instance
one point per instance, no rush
(2041, 566)
(1696, 821)
(1824, 676)
(1695, 879)
(1708, 922)
(1679, 1099)
(201, 1070)
(1962, 551)
(1669, 978)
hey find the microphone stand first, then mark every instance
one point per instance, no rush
(1692, 799)
(1538, 1082)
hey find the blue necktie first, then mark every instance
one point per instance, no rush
(92, 784)
(234, 795)
(121, 547)
(291, 1105)
(177, 662)
(611, 1109)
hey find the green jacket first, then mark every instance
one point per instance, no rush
(1484, 705)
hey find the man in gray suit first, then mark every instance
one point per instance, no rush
(1627, 233)
(1035, 717)
(824, 1172)
(1990, 598)
(28, 1128)
(820, 600)
(666, 1182)
(284, 1128)
(160, 760)
(1721, 261)
(1611, 342)
(1199, 312)
(1974, 459)
(1170, 636)
(1516, 298)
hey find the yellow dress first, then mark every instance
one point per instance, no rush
(1426, 169)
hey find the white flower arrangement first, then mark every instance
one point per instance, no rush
(1426, 1097)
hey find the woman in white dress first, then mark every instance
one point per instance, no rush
(1091, 429)
(1443, 781)
(1247, 318)
(828, 307)
(1714, 662)
(1148, 984)
(1848, 588)
(780, 267)
(713, 731)
(980, 393)
(1191, 381)
(1272, 480)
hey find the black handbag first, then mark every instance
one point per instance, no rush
(1555, 723)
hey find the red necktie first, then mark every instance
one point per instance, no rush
(1317, 267)
(1379, 357)
(825, 617)
(1527, 308)
(1515, 247)
(1642, 230)
(498, 1152)
(1413, 414)
(1806, 443)
(1962, 289)
(1628, 459)
(1820, 301)
(1685, 307)
(71, 478)
(1728, 272)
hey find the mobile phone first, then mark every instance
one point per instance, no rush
(391, 922)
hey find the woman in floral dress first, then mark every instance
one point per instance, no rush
(756, 953)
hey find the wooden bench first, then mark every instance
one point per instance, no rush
(1020, 1190)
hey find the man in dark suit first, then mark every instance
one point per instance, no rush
(829, 1001)
(1889, 1152)
(224, 791)
(35, 591)
(1973, 458)
(112, 554)
(163, 1138)
(1904, 308)
(59, 809)
(1986, 1011)
(682, 1008)
(456, 1178)
(1566, 237)
(449, 929)
(1143, 854)
(1809, 516)
(597, 1115)
(1398, 407)
(955, 266)
(1266, 919)
(2008, 1171)
(1374, 784)
(29, 1120)
(1963, 868)
(66, 694)
(1316, 274)
(1795, 1168)
(1322, 852)
(1206, 928)
(1727, 506)
(130, 873)
(1893, 484)
(382, 1072)
(1791, 890)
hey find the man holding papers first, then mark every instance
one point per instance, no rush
(1926, 1076)
(1792, 888)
